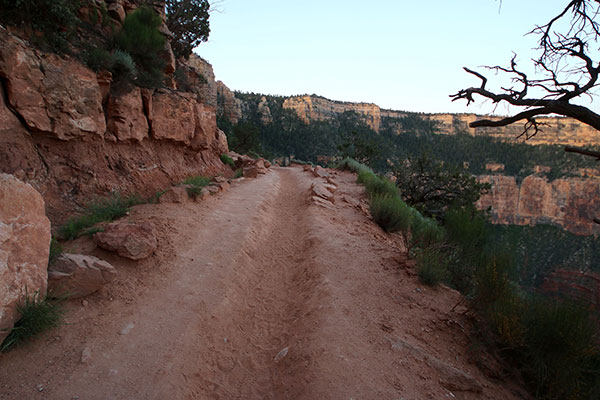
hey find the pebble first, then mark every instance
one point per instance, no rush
(281, 354)
(127, 328)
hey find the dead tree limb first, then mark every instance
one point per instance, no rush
(567, 67)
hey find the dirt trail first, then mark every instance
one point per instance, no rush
(259, 294)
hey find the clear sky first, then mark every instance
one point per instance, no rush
(398, 54)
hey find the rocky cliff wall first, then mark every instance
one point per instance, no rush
(572, 203)
(64, 130)
(311, 108)
(563, 131)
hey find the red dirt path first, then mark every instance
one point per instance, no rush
(259, 294)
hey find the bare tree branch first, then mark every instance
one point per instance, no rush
(567, 67)
(589, 153)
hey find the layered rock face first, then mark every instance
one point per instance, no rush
(571, 203)
(64, 132)
(229, 105)
(563, 131)
(311, 108)
(24, 247)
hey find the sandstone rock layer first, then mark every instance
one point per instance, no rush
(24, 247)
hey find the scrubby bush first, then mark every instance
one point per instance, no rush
(561, 355)
(123, 67)
(431, 266)
(425, 232)
(141, 39)
(38, 314)
(107, 209)
(56, 20)
(195, 184)
(390, 212)
(56, 250)
(377, 185)
(225, 159)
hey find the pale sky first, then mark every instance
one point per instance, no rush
(402, 55)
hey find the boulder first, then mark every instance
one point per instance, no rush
(24, 247)
(250, 171)
(213, 189)
(260, 163)
(126, 118)
(319, 190)
(205, 127)
(307, 167)
(220, 179)
(267, 164)
(203, 195)
(175, 194)
(129, 240)
(78, 275)
(224, 186)
(320, 172)
(173, 116)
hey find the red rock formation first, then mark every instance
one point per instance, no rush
(581, 286)
(53, 132)
(557, 130)
(24, 246)
(571, 203)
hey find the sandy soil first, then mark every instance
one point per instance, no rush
(259, 293)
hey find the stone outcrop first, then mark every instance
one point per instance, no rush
(126, 118)
(129, 240)
(312, 108)
(572, 203)
(78, 275)
(583, 287)
(67, 133)
(229, 105)
(24, 247)
(556, 130)
(207, 91)
(52, 95)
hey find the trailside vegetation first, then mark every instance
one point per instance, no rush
(552, 342)
(188, 21)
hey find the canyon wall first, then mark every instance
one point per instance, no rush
(556, 130)
(572, 203)
(72, 135)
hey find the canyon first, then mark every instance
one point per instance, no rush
(556, 130)
(571, 203)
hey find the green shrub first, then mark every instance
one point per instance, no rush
(466, 227)
(123, 67)
(98, 59)
(431, 266)
(425, 232)
(390, 212)
(107, 209)
(238, 173)
(197, 181)
(377, 185)
(348, 164)
(37, 315)
(225, 159)
(365, 176)
(561, 349)
(195, 184)
(56, 250)
(54, 20)
(140, 37)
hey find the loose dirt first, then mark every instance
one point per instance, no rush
(259, 293)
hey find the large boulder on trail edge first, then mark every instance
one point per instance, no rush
(129, 240)
(78, 275)
(24, 247)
